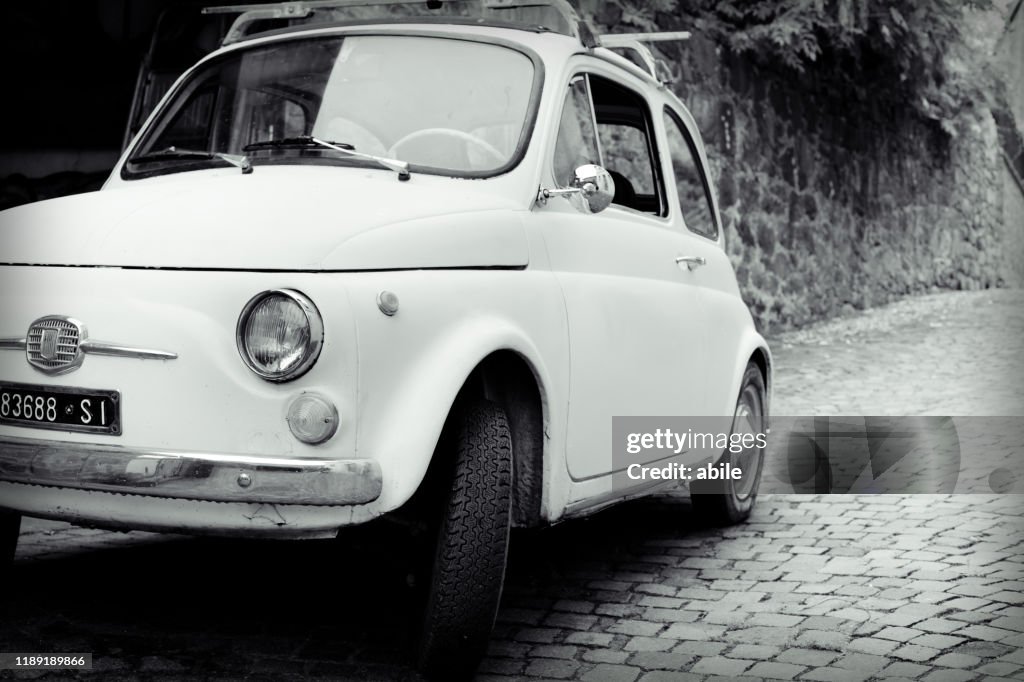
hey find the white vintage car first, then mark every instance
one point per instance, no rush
(407, 268)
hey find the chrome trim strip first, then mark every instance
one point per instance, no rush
(99, 348)
(189, 475)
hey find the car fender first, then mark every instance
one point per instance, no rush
(749, 345)
(411, 370)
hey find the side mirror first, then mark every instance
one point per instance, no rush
(596, 187)
(591, 189)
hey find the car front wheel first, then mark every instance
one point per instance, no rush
(472, 544)
(725, 502)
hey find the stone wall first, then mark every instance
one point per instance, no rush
(834, 200)
(832, 203)
(1013, 219)
(1010, 52)
(1010, 55)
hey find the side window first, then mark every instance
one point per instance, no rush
(192, 125)
(627, 145)
(691, 183)
(622, 142)
(201, 120)
(576, 144)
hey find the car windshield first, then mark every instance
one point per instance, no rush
(450, 106)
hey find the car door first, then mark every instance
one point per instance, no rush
(635, 331)
(695, 216)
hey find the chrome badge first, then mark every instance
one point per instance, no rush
(54, 344)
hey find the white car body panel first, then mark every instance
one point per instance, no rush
(225, 220)
(206, 399)
(393, 379)
(623, 291)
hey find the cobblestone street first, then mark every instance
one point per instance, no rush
(840, 588)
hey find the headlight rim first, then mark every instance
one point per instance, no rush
(316, 335)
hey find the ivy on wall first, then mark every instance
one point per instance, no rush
(926, 54)
(902, 50)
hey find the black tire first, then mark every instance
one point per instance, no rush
(472, 546)
(726, 502)
(10, 528)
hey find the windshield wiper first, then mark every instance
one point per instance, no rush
(240, 161)
(300, 141)
(400, 167)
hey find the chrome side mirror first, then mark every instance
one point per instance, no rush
(591, 189)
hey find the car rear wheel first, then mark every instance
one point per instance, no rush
(10, 527)
(725, 502)
(472, 544)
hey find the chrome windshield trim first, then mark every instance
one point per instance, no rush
(215, 477)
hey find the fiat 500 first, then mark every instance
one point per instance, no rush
(361, 269)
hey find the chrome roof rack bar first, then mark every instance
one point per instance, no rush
(624, 39)
(301, 9)
(578, 27)
(635, 42)
(298, 9)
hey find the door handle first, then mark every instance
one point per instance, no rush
(691, 261)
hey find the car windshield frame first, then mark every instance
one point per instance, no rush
(183, 90)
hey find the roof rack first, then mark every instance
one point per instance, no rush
(630, 45)
(563, 12)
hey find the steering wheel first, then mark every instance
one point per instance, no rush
(342, 129)
(486, 146)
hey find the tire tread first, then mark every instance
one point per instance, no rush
(469, 565)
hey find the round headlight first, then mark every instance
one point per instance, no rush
(279, 334)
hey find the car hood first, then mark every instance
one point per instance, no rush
(277, 218)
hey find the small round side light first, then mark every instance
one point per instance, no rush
(387, 301)
(312, 418)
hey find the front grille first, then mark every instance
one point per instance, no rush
(53, 344)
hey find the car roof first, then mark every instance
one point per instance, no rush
(519, 19)
(550, 47)
(547, 15)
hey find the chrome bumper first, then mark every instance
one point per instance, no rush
(189, 475)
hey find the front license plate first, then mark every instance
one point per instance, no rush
(62, 408)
